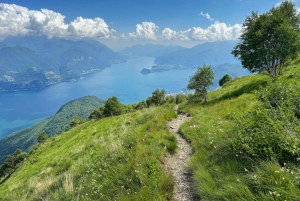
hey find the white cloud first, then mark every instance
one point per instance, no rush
(18, 20)
(145, 31)
(206, 15)
(216, 31)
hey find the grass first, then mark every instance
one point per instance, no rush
(218, 173)
(115, 158)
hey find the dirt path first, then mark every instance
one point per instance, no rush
(176, 164)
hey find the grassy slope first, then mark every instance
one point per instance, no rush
(115, 158)
(221, 175)
(23, 139)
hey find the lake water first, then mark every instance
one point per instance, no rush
(22, 109)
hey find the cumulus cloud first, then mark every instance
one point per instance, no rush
(206, 15)
(216, 31)
(145, 31)
(18, 20)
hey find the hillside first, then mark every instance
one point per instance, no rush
(24, 139)
(114, 158)
(210, 53)
(34, 62)
(118, 158)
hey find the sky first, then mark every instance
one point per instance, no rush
(120, 23)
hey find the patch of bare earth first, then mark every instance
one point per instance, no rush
(176, 164)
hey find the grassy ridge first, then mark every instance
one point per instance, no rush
(220, 174)
(24, 139)
(114, 158)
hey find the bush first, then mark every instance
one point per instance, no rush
(272, 130)
(226, 78)
(180, 98)
(77, 121)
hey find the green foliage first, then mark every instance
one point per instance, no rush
(42, 137)
(226, 78)
(272, 130)
(11, 163)
(201, 80)
(24, 139)
(113, 107)
(269, 40)
(180, 98)
(114, 158)
(76, 121)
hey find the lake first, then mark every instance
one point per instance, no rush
(19, 110)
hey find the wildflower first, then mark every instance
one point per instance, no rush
(246, 170)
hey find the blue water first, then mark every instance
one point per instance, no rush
(19, 110)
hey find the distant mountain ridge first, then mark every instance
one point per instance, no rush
(150, 50)
(23, 139)
(34, 62)
(210, 53)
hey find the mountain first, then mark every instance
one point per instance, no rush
(24, 139)
(150, 50)
(211, 53)
(237, 137)
(32, 62)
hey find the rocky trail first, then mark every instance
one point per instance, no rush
(176, 164)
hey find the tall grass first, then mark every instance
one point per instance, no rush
(116, 158)
(218, 172)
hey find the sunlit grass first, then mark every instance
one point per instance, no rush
(116, 158)
(218, 173)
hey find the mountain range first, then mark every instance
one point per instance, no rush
(177, 57)
(34, 62)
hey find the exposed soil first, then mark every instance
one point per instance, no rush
(176, 164)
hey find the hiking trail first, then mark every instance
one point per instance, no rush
(176, 164)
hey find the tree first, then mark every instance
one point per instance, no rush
(113, 107)
(158, 96)
(269, 40)
(224, 79)
(42, 137)
(201, 80)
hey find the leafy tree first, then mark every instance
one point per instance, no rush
(97, 113)
(201, 80)
(224, 79)
(140, 105)
(269, 39)
(158, 96)
(113, 107)
(77, 121)
(42, 137)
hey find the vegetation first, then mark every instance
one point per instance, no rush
(42, 137)
(76, 121)
(247, 140)
(226, 78)
(24, 139)
(201, 80)
(114, 158)
(11, 163)
(269, 40)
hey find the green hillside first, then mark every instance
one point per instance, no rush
(240, 152)
(24, 139)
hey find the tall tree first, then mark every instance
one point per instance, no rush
(270, 39)
(201, 80)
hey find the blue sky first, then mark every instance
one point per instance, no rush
(119, 23)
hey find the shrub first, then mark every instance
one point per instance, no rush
(226, 78)
(77, 121)
(180, 98)
(272, 130)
